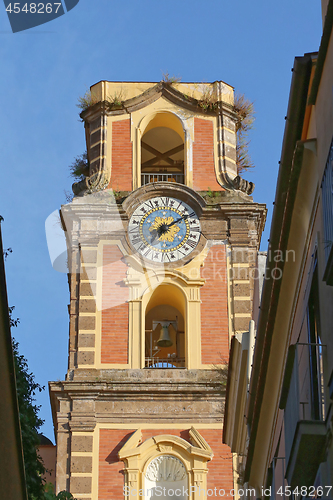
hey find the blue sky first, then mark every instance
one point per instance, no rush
(249, 45)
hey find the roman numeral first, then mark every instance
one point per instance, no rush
(150, 204)
(164, 255)
(192, 244)
(134, 230)
(136, 240)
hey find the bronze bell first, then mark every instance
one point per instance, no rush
(164, 340)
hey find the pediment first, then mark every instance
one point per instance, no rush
(166, 443)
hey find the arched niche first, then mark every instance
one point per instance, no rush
(153, 454)
(165, 476)
(162, 149)
(165, 308)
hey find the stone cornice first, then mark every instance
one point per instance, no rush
(139, 383)
(161, 89)
(92, 218)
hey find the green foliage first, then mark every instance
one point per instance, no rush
(212, 194)
(114, 101)
(86, 101)
(245, 112)
(49, 494)
(27, 388)
(13, 322)
(170, 79)
(111, 102)
(208, 100)
(79, 169)
(30, 422)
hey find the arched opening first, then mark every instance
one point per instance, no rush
(165, 329)
(162, 150)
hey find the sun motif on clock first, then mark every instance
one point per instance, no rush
(169, 234)
(164, 229)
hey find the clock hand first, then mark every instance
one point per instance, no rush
(164, 228)
(157, 233)
(183, 217)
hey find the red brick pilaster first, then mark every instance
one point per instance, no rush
(203, 156)
(115, 294)
(214, 307)
(122, 156)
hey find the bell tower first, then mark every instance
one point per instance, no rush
(162, 238)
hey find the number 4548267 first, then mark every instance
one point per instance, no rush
(33, 8)
(305, 491)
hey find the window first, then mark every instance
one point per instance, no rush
(327, 198)
(303, 397)
(315, 349)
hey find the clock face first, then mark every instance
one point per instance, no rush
(164, 230)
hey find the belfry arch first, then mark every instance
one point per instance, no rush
(165, 328)
(162, 149)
